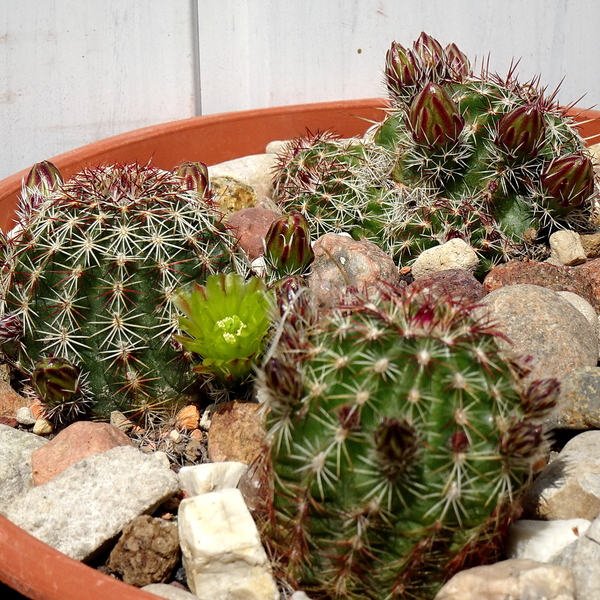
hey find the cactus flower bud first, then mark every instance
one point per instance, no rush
(287, 244)
(44, 177)
(431, 53)
(521, 131)
(458, 65)
(569, 180)
(402, 70)
(522, 440)
(539, 399)
(434, 117)
(195, 176)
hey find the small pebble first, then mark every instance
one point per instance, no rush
(43, 427)
(25, 417)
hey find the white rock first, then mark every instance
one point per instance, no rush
(24, 416)
(164, 590)
(455, 254)
(299, 596)
(210, 477)
(255, 170)
(566, 248)
(222, 551)
(543, 540)
(276, 146)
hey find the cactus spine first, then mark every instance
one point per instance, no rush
(398, 443)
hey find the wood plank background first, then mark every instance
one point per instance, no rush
(73, 72)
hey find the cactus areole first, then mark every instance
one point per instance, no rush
(398, 444)
(89, 275)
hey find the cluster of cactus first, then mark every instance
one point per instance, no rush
(398, 443)
(451, 145)
(88, 280)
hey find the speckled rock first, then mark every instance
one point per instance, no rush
(585, 308)
(455, 254)
(10, 401)
(591, 244)
(541, 324)
(255, 170)
(231, 195)
(578, 405)
(77, 441)
(569, 486)
(250, 226)
(147, 551)
(236, 433)
(457, 283)
(341, 261)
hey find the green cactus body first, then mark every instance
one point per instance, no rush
(91, 274)
(451, 142)
(398, 444)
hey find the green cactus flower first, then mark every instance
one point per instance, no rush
(226, 322)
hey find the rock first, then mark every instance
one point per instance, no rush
(591, 244)
(569, 486)
(25, 416)
(120, 421)
(77, 441)
(578, 405)
(455, 254)
(147, 551)
(231, 195)
(10, 401)
(9, 421)
(342, 262)
(255, 170)
(16, 448)
(237, 433)
(169, 592)
(88, 504)
(585, 308)
(276, 146)
(539, 323)
(457, 283)
(583, 558)
(42, 427)
(566, 248)
(251, 226)
(222, 552)
(210, 477)
(512, 579)
(543, 540)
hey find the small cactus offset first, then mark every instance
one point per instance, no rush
(89, 275)
(398, 443)
(451, 143)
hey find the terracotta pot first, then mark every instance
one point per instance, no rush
(26, 564)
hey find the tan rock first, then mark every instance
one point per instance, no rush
(566, 248)
(188, 418)
(10, 401)
(231, 195)
(76, 442)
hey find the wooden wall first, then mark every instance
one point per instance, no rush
(72, 72)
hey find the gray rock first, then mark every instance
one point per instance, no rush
(25, 416)
(16, 448)
(578, 406)
(583, 558)
(539, 323)
(170, 592)
(90, 502)
(568, 487)
(514, 579)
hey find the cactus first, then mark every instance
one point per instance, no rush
(397, 440)
(451, 142)
(89, 275)
(226, 322)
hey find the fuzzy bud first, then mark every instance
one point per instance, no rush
(44, 177)
(55, 380)
(434, 118)
(287, 244)
(522, 441)
(569, 180)
(396, 444)
(195, 177)
(431, 53)
(402, 71)
(540, 397)
(11, 328)
(457, 63)
(521, 131)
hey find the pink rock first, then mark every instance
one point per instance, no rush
(76, 442)
(457, 283)
(251, 225)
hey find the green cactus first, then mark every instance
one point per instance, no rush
(398, 443)
(90, 272)
(451, 142)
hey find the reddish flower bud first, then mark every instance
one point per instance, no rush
(195, 176)
(430, 51)
(55, 380)
(434, 117)
(402, 71)
(540, 397)
(287, 244)
(457, 64)
(569, 180)
(522, 441)
(521, 131)
(44, 177)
